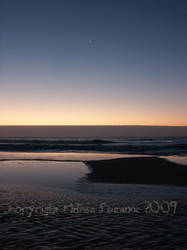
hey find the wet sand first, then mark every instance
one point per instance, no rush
(146, 170)
(45, 217)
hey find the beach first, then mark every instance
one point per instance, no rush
(93, 125)
(48, 204)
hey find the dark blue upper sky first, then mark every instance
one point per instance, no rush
(93, 62)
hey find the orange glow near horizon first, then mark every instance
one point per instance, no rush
(89, 117)
(33, 104)
(59, 108)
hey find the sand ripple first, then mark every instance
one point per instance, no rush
(66, 230)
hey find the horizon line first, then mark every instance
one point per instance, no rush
(86, 125)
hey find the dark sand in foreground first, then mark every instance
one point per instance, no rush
(34, 218)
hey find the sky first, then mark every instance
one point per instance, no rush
(93, 62)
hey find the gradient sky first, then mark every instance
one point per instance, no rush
(93, 62)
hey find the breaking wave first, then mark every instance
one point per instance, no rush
(132, 145)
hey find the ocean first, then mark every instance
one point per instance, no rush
(170, 145)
